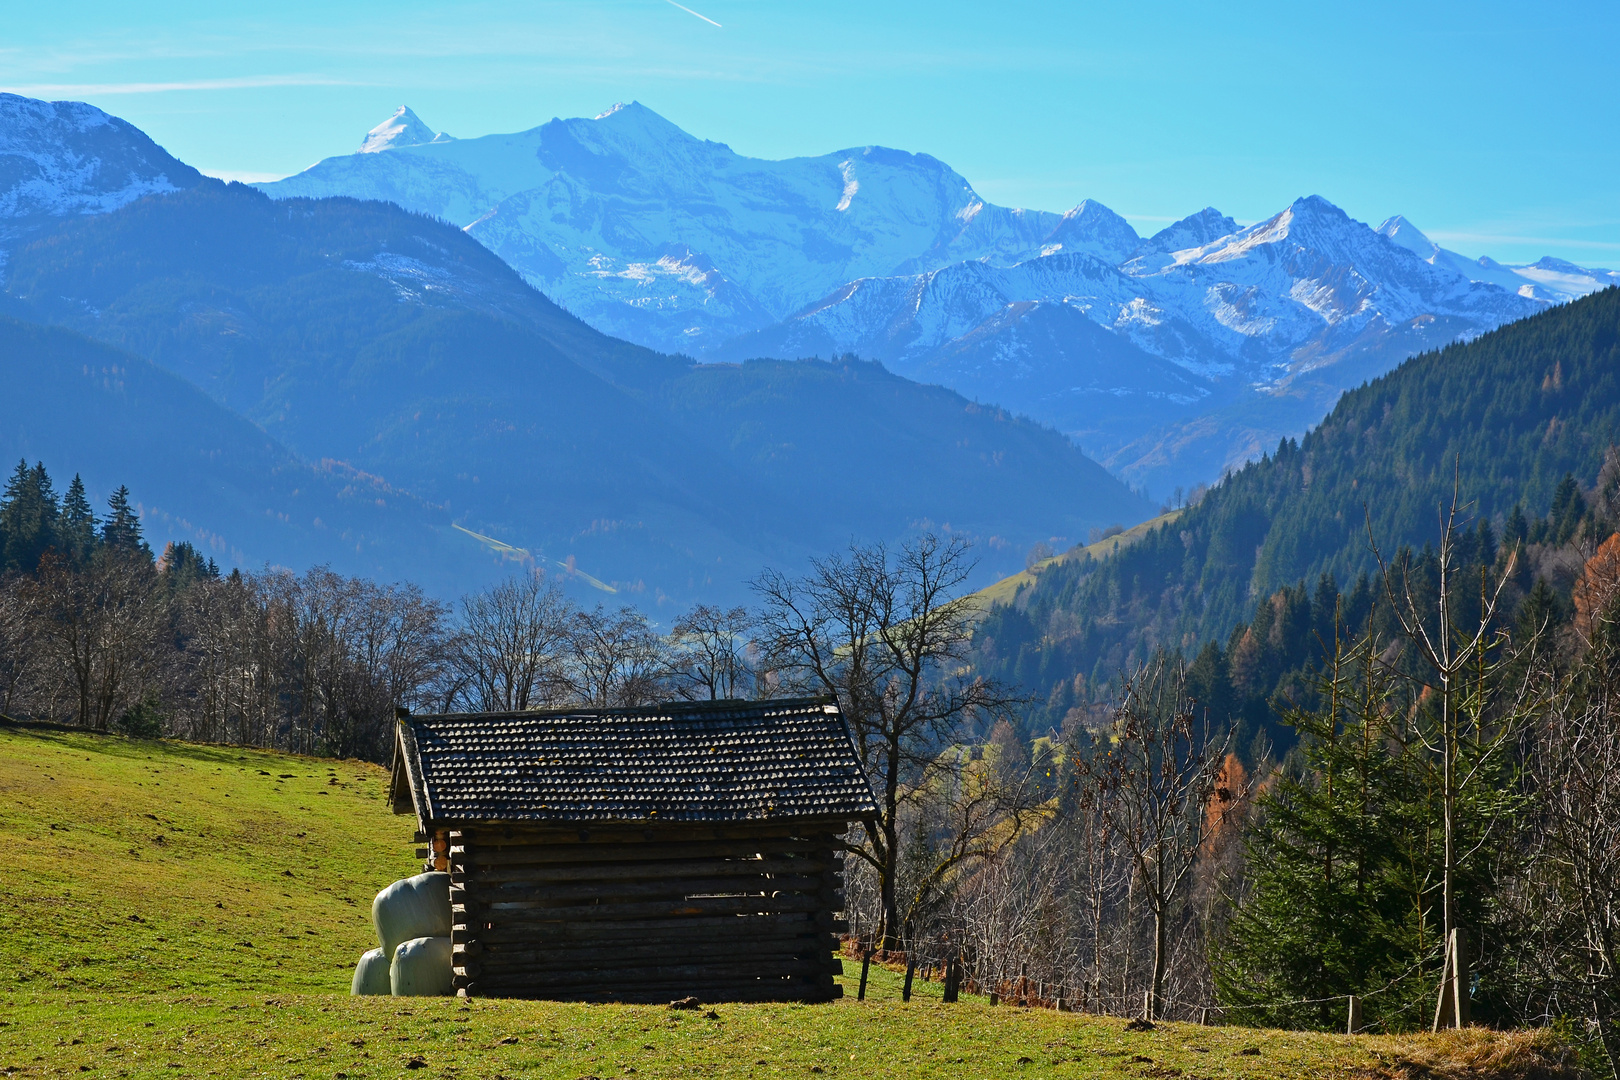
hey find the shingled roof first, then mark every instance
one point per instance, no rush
(721, 762)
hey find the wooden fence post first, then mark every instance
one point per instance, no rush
(911, 969)
(1451, 1010)
(866, 965)
(953, 976)
(1354, 1024)
(1461, 994)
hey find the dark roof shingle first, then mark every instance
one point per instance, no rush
(680, 762)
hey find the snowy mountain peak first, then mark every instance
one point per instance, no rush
(1407, 235)
(1192, 231)
(630, 124)
(66, 157)
(1094, 229)
(399, 130)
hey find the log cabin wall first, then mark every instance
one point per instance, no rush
(722, 913)
(687, 849)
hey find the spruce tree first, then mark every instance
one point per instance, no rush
(183, 566)
(28, 516)
(76, 528)
(121, 531)
(1337, 902)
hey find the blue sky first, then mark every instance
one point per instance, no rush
(1494, 127)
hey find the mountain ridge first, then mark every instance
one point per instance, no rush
(1504, 417)
(676, 242)
(362, 333)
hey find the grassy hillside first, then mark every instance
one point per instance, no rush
(171, 910)
(142, 866)
(1007, 589)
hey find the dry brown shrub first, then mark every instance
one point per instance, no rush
(1596, 587)
(1480, 1054)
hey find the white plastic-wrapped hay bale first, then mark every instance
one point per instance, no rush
(413, 907)
(421, 968)
(371, 974)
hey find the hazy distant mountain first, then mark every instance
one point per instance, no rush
(65, 157)
(397, 347)
(201, 473)
(1218, 339)
(1549, 279)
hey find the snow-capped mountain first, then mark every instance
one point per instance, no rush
(66, 157)
(670, 241)
(399, 131)
(651, 234)
(1552, 280)
(1252, 313)
(1171, 356)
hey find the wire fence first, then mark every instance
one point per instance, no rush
(931, 965)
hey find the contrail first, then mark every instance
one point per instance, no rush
(689, 11)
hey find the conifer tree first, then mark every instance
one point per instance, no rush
(1337, 901)
(28, 517)
(183, 565)
(76, 528)
(121, 531)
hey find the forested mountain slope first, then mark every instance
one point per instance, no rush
(1507, 415)
(199, 472)
(365, 334)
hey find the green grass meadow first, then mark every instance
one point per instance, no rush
(175, 910)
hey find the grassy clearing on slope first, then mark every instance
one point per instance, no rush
(1005, 591)
(366, 1038)
(217, 975)
(141, 866)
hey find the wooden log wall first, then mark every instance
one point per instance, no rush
(716, 913)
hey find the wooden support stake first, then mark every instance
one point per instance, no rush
(953, 977)
(866, 965)
(1451, 1010)
(1354, 1023)
(1147, 1004)
(1461, 994)
(911, 969)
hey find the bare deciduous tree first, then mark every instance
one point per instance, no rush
(103, 627)
(1456, 649)
(617, 660)
(19, 656)
(513, 648)
(1159, 778)
(710, 646)
(885, 633)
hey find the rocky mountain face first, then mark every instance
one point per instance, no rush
(680, 244)
(1216, 340)
(1272, 321)
(65, 157)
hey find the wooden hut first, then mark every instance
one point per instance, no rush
(645, 854)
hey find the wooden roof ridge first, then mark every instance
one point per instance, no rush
(685, 762)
